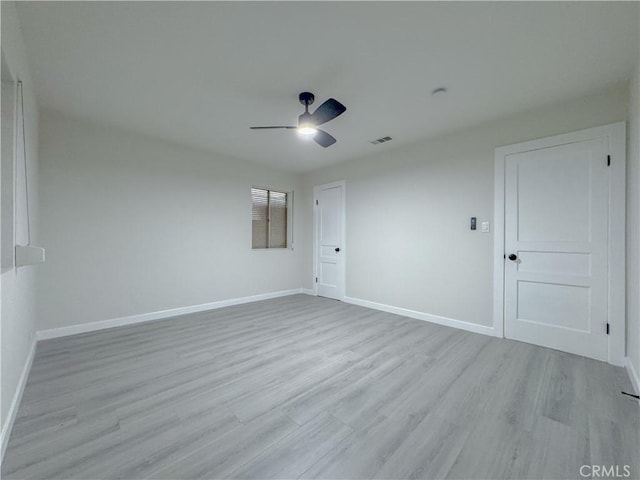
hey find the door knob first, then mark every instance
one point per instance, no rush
(337, 249)
(513, 257)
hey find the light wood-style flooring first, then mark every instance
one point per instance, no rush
(306, 387)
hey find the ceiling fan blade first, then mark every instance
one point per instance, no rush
(268, 128)
(328, 111)
(323, 139)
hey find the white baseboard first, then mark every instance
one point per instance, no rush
(17, 396)
(160, 315)
(633, 375)
(448, 322)
(308, 291)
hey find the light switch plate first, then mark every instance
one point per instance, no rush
(484, 227)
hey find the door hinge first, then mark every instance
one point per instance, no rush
(608, 160)
(316, 279)
(316, 202)
(608, 328)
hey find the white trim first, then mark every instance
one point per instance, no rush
(617, 242)
(17, 397)
(448, 322)
(498, 244)
(615, 133)
(308, 291)
(159, 315)
(343, 248)
(633, 375)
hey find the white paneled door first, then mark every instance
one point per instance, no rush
(329, 243)
(556, 250)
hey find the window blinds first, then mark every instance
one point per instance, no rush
(268, 218)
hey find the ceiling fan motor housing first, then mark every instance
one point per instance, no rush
(306, 98)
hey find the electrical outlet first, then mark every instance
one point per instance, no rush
(484, 227)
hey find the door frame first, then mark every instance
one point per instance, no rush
(615, 134)
(343, 247)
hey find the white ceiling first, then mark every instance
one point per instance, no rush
(202, 73)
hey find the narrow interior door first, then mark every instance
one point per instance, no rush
(330, 251)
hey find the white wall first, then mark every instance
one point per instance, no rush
(633, 223)
(408, 210)
(18, 285)
(134, 225)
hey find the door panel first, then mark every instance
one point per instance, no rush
(553, 196)
(555, 263)
(556, 209)
(556, 305)
(330, 251)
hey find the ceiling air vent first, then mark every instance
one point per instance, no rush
(380, 140)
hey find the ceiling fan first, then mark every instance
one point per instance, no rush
(308, 122)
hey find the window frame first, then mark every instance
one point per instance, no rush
(289, 218)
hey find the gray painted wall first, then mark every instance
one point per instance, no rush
(135, 225)
(408, 209)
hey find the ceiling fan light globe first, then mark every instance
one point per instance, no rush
(307, 130)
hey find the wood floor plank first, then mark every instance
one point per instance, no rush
(493, 449)
(606, 438)
(296, 453)
(40, 451)
(328, 394)
(363, 453)
(219, 458)
(136, 456)
(429, 451)
(367, 399)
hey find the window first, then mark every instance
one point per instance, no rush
(268, 218)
